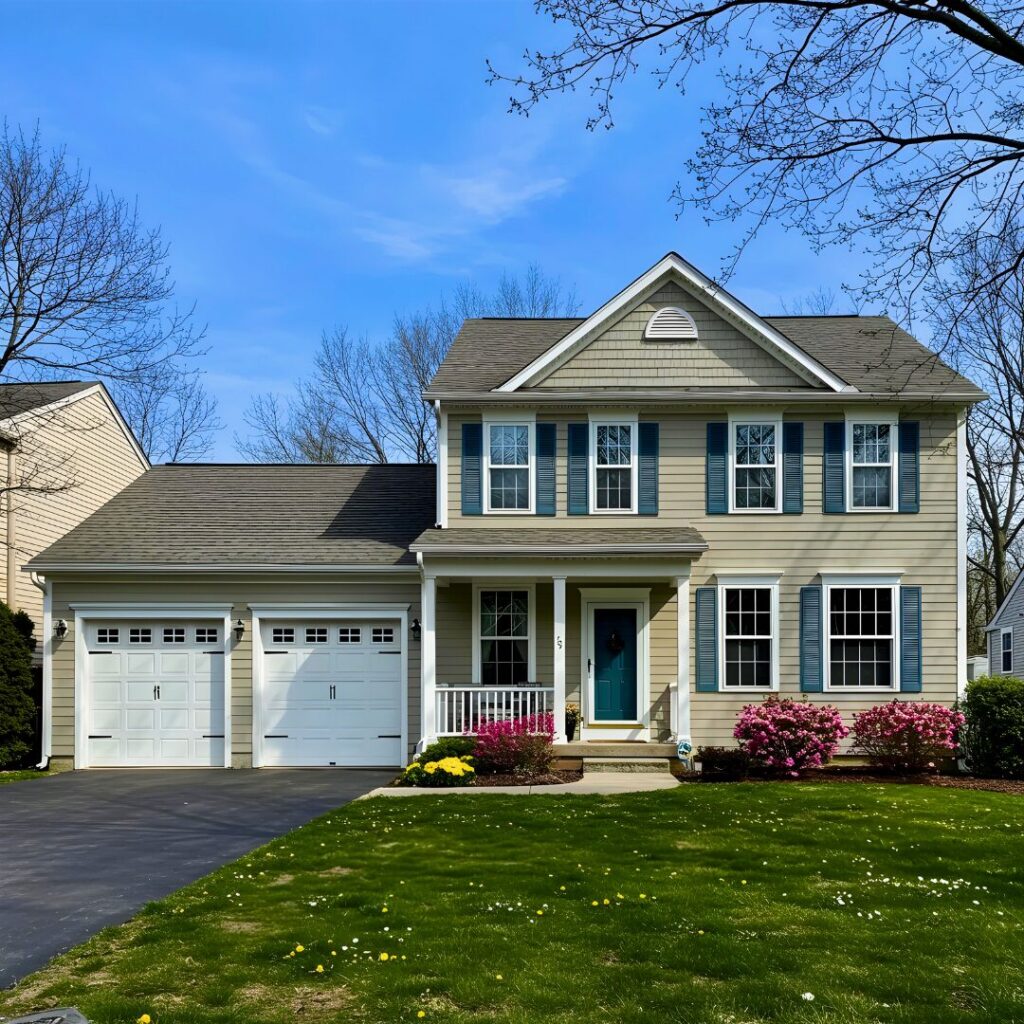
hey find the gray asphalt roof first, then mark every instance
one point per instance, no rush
(870, 352)
(21, 397)
(527, 540)
(224, 515)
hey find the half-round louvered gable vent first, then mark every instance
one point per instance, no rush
(671, 324)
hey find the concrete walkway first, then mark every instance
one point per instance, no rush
(606, 783)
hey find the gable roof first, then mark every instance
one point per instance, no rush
(673, 267)
(1011, 594)
(871, 353)
(19, 398)
(273, 517)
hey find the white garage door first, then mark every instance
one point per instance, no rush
(332, 693)
(156, 693)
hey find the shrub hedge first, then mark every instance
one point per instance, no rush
(993, 739)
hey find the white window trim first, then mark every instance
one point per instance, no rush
(890, 581)
(755, 418)
(765, 582)
(530, 422)
(885, 418)
(531, 626)
(1004, 631)
(612, 419)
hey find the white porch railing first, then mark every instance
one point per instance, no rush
(462, 709)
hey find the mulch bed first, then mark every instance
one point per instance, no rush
(858, 773)
(555, 778)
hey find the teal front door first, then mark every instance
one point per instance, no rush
(614, 665)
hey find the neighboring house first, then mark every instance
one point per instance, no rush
(64, 451)
(662, 512)
(1006, 634)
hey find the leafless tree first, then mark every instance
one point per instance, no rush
(892, 124)
(987, 343)
(85, 292)
(820, 302)
(363, 401)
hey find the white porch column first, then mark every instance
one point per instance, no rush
(681, 716)
(428, 667)
(558, 615)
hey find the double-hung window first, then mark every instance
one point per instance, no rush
(871, 464)
(1005, 651)
(861, 626)
(613, 467)
(508, 476)
(755, 459)
(504, 637)
(749, 633)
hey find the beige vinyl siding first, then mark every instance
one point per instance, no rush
(722, 356)
(921, 546)
(79, 446)
(239, 591)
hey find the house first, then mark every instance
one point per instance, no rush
(66, 450)
(662, 512)
(1006, 634)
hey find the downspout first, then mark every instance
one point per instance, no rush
(46, 750)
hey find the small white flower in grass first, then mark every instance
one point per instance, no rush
(808, 997)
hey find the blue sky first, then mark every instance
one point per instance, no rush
(315, 164)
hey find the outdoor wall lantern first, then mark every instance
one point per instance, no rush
(416, 630)
(239, 629)
(60, 629)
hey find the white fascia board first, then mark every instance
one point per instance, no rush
(171, 567)
(764, 333)
(1006, 601)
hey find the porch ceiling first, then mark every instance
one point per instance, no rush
(566, 542)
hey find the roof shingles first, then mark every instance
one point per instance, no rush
(256, 515)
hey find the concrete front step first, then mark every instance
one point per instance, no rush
(607, 749)
(632, 765)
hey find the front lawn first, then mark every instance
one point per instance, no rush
(732, 904)
(20, 776)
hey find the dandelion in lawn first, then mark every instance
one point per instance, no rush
(383, 957)
(643, 895)
(606, 902)
(593, 903)
(498, 977)
(144, 1019)
(540, 913)
(319, 968)
(300, 948)
(421, 1014)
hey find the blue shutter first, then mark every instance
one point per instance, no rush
(579, 441)
(716, 470)
(472, 468)
(544, 439)
(833, 489)
(811, 638)
(707, 639)
(910, 467)
(792, 467)
(648, 459)
(910, 639)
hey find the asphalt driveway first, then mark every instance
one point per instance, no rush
(83, 850)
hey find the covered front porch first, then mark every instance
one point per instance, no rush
(534, 628)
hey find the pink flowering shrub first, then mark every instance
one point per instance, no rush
(907, 735)
(521, 746)
(787, 736)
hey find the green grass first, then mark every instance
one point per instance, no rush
(20, 776)
(714, 904)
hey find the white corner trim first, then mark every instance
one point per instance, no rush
(442, 466)
(47, 696)
(765, 335)
(681, 726)
(961, 554)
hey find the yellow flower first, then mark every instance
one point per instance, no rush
(300, 948)
(334, 952)
(540, 913)
(700, 931)
(421, 1014)
(498, 977)
(383, 957)
(606, 902)
(643, 895)
(619, 896)
(145, 1019)
(593, 903)
(319, 968)
(561, 888)
(383, 910)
